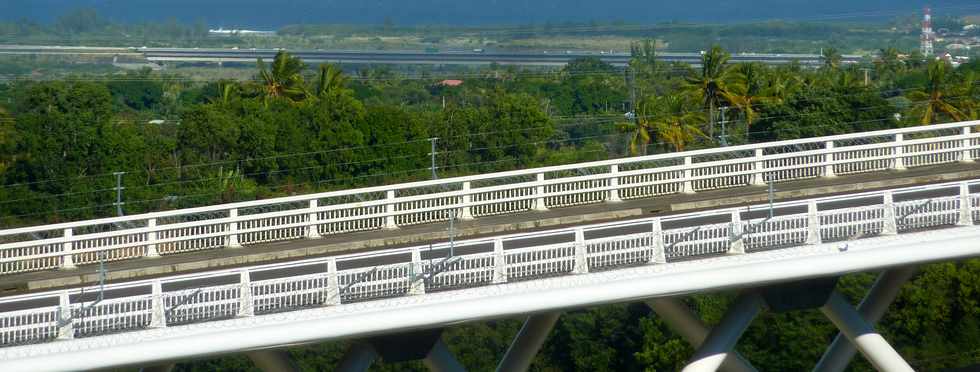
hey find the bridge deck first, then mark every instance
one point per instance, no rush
(484, 226)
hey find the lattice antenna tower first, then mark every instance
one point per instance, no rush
(927, 38)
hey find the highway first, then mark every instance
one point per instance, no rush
(541, 58)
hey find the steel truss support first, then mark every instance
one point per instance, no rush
(358, 358)
(874, 347)
(683, 321)
(527, 342)
(158, 368)
(723, 337)
(272, 360)
(440, 359)
(872, 308)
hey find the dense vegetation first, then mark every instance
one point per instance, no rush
(293, 129)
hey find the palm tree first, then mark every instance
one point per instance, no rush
(748, 91)
(330, 79)
(831, 58)
(284, 78)
(712, 82)
(936, 98)
(677, 125)
(668, 118)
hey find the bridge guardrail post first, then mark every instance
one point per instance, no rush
(232, 240)
(899, 149)
(614, 184)
(66, 324)
(151, 239)
(966, 206)
(688, 185)
(889, 224)
(313, 230)
(828, 159)
(390, 211)
(758, 178)
(967, 155)
(539, 202)
(67, 261)
(499, 262)
(812, 224)
(333, 284)
(737, 239)
(158, 312)
(417, 286)
(245, 303)
(581, 265)
(467, 212)
(659, 255)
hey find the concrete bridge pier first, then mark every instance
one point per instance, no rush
(528, 342)
(359, 357)
(874, 347)
(723, 337)
(683, 321)
(272, 360)
(872, 308)
(426, 345)
(158, 368)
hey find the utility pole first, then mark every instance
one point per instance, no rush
(630, 78)
(867, 76)
(119, 190)
(452, 212)
(723, 138)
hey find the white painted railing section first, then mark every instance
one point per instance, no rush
(389, 207)
(413, 271)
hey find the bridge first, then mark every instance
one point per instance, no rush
(770, 252)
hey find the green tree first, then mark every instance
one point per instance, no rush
(330, 79)
(712, 83)
(936, 100)
(283, 79)
(831, 58)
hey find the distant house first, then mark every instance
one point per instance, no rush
(451, 83)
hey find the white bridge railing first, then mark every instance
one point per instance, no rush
(66, 245)
(331, 281)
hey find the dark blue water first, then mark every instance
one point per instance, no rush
(270, 14)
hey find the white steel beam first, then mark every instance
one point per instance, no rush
(683, 321)
(872, 308)
(527, 342)
(723, 337)
(874, 347)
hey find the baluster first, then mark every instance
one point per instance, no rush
(467, 212)
(889, 224)
(390, 211)
(245, 295)
(232, 240)
(659, 250)
(758, 178)
(67, 261)
(66, 324)
(828, 159)
(899, 163)
(158, 311)
(417, 280)
(151, 239)
(581, 259)
(688, 185)
(333, 284)
(812, 224)
(539, 204)
(313, 230)
(966, 206)
(499, 262)
(967, 155)
(737, 241)
(614, 183)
